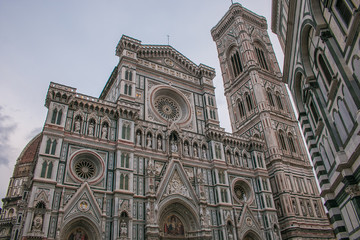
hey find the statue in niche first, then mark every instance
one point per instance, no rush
(204, 153)
(38, 222)
(148, 140)
(91, 129)
(174, 147)
(159, 143)
(123, 229)
(104, 132)
(195, 151)
(186, 149)
(77, 125)
(138, 139)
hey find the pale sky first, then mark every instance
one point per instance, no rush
(73, 43)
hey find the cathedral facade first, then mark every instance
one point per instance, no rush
(149, 160)
(322, 68)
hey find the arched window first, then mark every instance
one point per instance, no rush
(249, 102)
(126, 182)
(245, 159)
(129, 91)
(278, 100)
(325, 70)
(341, 129)
(125, 133)
(125, 89)
(43, 169)
(314, 112)
(345, 116)
(241, 109)
(291, 143)
(49, 170)
(282, 141)
(260, 161)
(58, 121)
(271, 100)
(261, 58)
(236, 63)
(53, 118)
(122, 181)
(48, 146)
(128, 132)
(254, 161)
(53, 147)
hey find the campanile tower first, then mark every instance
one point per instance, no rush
(259, 107)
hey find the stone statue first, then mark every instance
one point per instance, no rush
(159, 144)
(186, 150)
(37, 223)
(149, 142)
(195, 151)
(91, 129)
(104, 132)
(204, 153)
(123, 229)
(77, 125)
(174, 147)
(138, 139)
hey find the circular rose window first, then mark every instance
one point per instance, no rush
(167, 108)
(84, 169)
(170, 104)
(86, 166)
(242, 191)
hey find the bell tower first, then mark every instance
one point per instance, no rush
(260, 107)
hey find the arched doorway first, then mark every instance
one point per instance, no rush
(251, 236)
(178, 220)
(80, 229)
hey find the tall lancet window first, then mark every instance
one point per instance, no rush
(236, 63)
(261, 57)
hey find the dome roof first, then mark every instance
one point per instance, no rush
(29, 153)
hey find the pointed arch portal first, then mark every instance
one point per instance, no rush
(80, 228)
(177, 221)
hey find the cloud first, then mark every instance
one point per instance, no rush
(7, 127)
(33, 133)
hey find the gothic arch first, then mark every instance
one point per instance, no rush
(298, 90)
(83, 225)
(251, 235)
(304, 49)
(182, 209)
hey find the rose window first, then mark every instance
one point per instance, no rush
(242, 191)
(167, 108)
(86, 166)
(84, 169)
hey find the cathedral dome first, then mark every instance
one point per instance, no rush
(29, 153)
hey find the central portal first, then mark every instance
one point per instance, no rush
(178, 220)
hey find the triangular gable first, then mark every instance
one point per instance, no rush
(83, 203)
(176, 182)
(247, 222)
(168, 57)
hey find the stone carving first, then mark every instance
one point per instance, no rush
(204, 153)
(176, 186)
(353, 190)
(77, 125)
(91, 129)
(159, 143)
(186, 149)
(174, 147)
(138, 139)
(37, 222)
(195, 151)
(149, 141)
(123, 229)
(104, 132)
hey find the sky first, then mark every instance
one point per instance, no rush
(73, 43)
